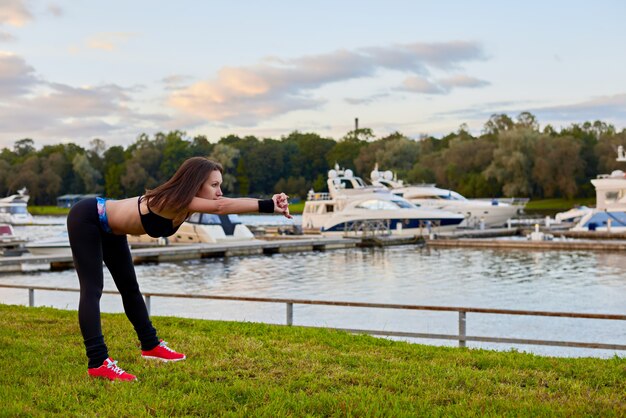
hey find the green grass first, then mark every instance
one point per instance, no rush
(559, 204)
(296, 208)
(246, 369)
(48, 210)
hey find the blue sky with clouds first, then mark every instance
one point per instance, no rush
(76, 70)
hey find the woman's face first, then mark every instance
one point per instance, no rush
(211, 188)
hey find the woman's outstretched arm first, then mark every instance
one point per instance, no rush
(226, 205)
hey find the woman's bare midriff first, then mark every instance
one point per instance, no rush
(123, 216)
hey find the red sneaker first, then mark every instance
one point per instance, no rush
(163, 352)
(109, 370)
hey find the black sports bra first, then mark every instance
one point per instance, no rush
(155, 225)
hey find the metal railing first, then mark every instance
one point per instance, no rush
(461, 337)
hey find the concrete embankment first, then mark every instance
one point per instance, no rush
(580, 245)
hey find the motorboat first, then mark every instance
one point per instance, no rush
(609, 214)
(202, 228)
(350, 207)
(476, 212)
(13, 209)
(10, 244)
(199, 228)
(54, 246)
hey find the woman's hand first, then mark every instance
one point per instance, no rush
(281, 204)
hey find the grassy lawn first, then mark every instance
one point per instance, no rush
(247, 369)
(296, 208)
(559, 205)
(48, 211)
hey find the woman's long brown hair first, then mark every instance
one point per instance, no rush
(176, 194)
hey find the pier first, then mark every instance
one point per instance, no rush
(186, 252)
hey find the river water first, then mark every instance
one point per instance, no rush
(569, 281)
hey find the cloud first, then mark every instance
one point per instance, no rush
(463, 81)
(108, 41)
(610, 109)
(175, 81)
(603, 108)
(274, 86)
(55, 10)
(16, 76)
(14, 12)
(6, 36)
(417, 84)
(30, 106)
(366, 100)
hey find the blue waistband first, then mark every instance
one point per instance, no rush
(102, 214)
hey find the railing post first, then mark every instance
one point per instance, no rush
(462, 328)
(147, 298)
(31, 297)
(289, 313)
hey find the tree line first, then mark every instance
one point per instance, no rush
(511, 157)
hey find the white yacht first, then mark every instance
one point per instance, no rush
(609, 214)
(352, 207)
(489, 213)
(13, 209)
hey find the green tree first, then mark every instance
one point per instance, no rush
(135, 178)
(309, 160)
(295, 187)
(5, 175)
(345, 153)
(394, 152)
(175, 150)
(24, 147)
(512, 163)
(200, 146)
(557, 165)
(90, 176)
(498, 123)
(227, 156)
(241, 174)
(114, 168)
(527, 120)
(27, 174)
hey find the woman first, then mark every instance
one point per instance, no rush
(97, 230)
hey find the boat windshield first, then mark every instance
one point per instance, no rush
(204, 219)
(452, 196)
(211, 219)
(14, 209)
(375, 204)
(404, 204)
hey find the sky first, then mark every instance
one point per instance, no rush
(72, 71)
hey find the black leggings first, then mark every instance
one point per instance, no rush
(90, 246)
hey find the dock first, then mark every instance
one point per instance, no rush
(185, 252)
(579, 245)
